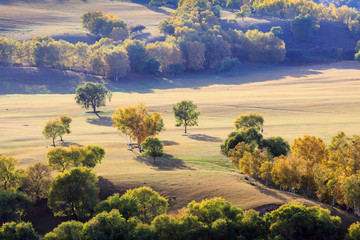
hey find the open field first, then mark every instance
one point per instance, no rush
(22, 20)
(317, 100)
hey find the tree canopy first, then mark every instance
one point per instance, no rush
(92, 95)
(152, 147)
(186, 114)
(74, 193)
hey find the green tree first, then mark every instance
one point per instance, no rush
(106, 226)
(10, 176)
(151, 66)
(350, 189)
(157, 3)
(152, 147)
(354, 232)
(66, 231)
(276, 146)
(65, 121)
(250, 136)
(100, 24)
(249, 120)
(296, 221)
(208, 211)
(166, 28)
(92, 95)
(53, 129)
(137, 54)
(61, 158)
(37, 181)
(277, 31)
(127, 206)
(245, 11)
(18, 231)
(74, 193)
(150, 202)
(302, 27)
(13, 206)
(186, 114)
(142, 232)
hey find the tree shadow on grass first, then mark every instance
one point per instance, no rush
(169, 143)
(204, 138)
(107, 188)
(67, 144)
(165, 163)
(100, 121)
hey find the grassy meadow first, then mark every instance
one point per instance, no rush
(25, 19)
(318, 100)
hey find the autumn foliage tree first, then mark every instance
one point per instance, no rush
(137, 123)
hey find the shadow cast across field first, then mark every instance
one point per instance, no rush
(165, 163)
(204, 138)
(68, 144)
(169, 143)
(100, 121)
(53, 81)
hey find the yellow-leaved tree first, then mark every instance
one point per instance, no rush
(137, 124)
(310, 151)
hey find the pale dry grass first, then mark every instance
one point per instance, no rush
(61, 19)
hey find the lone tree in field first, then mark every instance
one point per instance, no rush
(74, 193)
(249, 120)
(53, 129)
(65, 120)
(152, 147)
(92, 95)
(186, 114)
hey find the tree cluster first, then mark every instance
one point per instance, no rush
(141, 214)
(57, 128)
(331, 173)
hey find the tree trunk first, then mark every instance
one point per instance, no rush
(185, 126)
(333, 200)
(94, 108)
(154, 160)
(54, 142)
(61, 139)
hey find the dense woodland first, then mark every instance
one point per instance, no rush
(195, 40)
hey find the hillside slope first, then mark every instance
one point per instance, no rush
(294, 100)
(22, 20)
